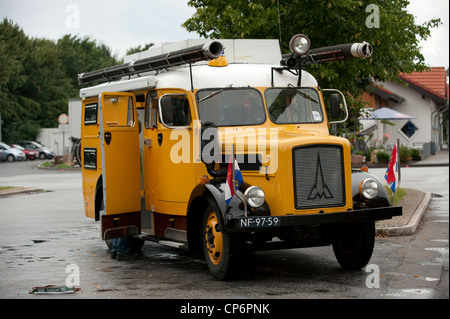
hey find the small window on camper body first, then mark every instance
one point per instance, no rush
(90, 158)
(90, 114)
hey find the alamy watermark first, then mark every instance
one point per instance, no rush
(373, 279)
(259, 144)
(73, 16)
(73, 279)
(373, 19)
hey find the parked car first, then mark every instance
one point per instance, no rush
(11, 154)
(44, 152)
(31, 155)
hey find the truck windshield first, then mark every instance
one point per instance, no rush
(293, 105)
(229, 107)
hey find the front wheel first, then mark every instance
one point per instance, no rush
(354, 244)
(220, 253)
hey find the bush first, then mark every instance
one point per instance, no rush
(415, 154)
(405, 154)
(383, 157)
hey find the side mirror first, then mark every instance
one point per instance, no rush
(338, 106)
(335, 104)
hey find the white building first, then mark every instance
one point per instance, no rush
(422, 95)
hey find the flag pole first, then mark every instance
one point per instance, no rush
(398, 157)
(234, 180)
(233, 168)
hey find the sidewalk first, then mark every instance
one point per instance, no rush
(439, 159)
(415, 205)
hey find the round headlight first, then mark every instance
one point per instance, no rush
(300, 44)
(368, 188)
(255, 196)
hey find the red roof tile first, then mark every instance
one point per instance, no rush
(434, 80)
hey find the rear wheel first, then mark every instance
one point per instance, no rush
(354, 244)
(219, 249)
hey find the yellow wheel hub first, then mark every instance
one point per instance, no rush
(213, 239)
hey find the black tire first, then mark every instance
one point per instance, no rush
(77, 152)
(219, 248)
(353, 245)
(11, 158)
(42, 156)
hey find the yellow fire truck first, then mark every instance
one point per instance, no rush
(159, 133)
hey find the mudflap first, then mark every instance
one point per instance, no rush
(120, 225)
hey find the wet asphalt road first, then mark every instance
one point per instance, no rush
(43, 235)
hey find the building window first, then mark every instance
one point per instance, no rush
(409, 129)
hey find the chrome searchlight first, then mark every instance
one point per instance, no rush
(300, 44)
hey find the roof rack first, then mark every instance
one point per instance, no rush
(208, 51)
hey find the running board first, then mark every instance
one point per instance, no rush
(165, 242)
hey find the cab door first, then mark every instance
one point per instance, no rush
(176, 176)
(121, 165)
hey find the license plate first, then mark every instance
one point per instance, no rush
(258, 222)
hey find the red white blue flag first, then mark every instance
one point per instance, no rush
(392, 169)
(231, 187)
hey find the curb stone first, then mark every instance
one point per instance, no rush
(414, 221)
(19, 190)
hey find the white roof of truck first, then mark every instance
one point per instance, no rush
(250, 63)
(266, 51)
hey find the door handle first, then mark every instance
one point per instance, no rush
(160, 138)
(107, 137)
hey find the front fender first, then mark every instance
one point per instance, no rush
(381, 200)
(214, 193)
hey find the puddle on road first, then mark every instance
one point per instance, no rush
(38, 241)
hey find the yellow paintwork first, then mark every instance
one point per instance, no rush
(122, 172)
(168, 185)
(90, 177)
(213, 239)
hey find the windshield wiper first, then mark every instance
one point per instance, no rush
(307, 96)
(214, 93)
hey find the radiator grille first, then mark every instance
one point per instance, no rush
(319, 179)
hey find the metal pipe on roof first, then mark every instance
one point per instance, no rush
(208, 51)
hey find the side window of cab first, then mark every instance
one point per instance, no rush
(151, 110)
(174, 110)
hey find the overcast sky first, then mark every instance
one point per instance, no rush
(123, 24)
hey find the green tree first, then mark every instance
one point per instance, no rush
(39, 76)
(139, 48)
(79, 55)
(395, 39)
(14, 46)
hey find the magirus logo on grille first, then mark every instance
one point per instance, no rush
(320, 189)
